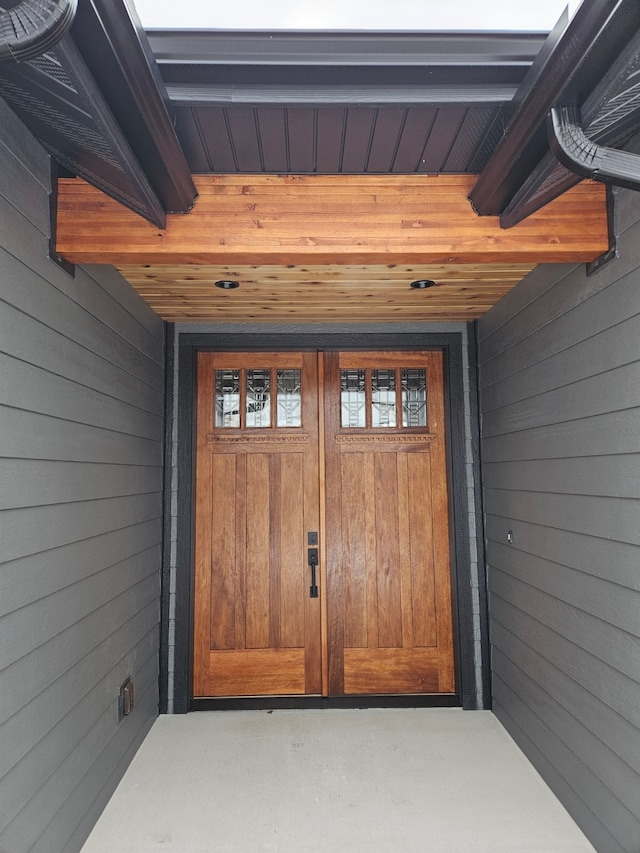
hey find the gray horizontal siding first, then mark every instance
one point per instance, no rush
(81, 424)
(560, 403)
(31, 435)
(25, 531)
(614, 782)
(571, 782)
(593, 516)
(36, 482)
(598, 435)
(546, 684)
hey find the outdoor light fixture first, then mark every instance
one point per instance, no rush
(227, 284)
(422, 284)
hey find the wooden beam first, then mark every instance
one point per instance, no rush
(338, 219)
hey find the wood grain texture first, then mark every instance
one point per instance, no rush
(314, 292)
(388, 542)
(354, 553)
(258, 672)
(331, 219)
(320, 247)
(390, 588)
(385, 524)
(257, 495)
(391, 671)
(292, 551)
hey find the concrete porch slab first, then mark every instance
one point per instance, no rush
(392, 780)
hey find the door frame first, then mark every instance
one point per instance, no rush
(177, 603)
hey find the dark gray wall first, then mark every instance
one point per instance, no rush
(560, 399)
(81, 402)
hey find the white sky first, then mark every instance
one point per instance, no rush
(522, 15)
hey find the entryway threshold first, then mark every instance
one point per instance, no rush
(295, 781)
(290, 703)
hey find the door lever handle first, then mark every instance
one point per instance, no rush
(312, 560)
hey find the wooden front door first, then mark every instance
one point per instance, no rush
(380, 620)
(257, 629)
(388, 569)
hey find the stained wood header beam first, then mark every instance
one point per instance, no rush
(289, 220)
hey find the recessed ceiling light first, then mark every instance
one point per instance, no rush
(227, 284)
(422, 284)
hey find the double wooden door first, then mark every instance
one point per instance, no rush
(322, 532)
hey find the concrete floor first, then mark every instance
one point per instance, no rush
(398, 781)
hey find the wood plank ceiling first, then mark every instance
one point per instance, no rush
(321, 248)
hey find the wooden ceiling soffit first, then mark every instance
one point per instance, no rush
(334, 220)
(315, 292)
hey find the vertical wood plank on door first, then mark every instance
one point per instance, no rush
(222, 609)
(321, 680)
(241, 551)
(258, 601)
(292, 551)
(273, 547)
(440, 516)
(420, 516)
(334, 506)
(371, 550)
(407, 591)
(354, 564)
(388, 551)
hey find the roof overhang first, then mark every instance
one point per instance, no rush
(136, 114)
(591, 64)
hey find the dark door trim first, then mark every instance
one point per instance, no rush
(179, 610)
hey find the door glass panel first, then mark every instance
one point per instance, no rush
(414, 397)
(289, 398)
(227, 398)
(383, 398)
(353, 397)
(258, 398)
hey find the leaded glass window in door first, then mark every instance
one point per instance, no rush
(258, 398)
(227, 398)
(289, 398)
(414, 397)
(383, 398)
(354, 398)
(372, 398)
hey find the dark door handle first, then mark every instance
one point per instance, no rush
(312, 559)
